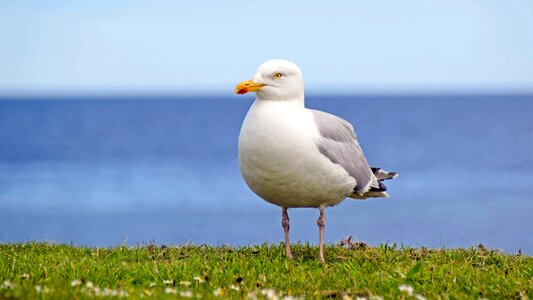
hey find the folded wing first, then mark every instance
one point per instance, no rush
(339, 143)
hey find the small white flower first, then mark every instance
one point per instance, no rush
(235, 288)
(218, 292)
(199, 279)
(169, 290)
(360, 298)
(75, 282)
(117, 293)
(185, 283)
(97, 291)
(270, 294)
(170, 281)
(420, 297)
(186, 294)
(25, 276)
(106, 292)
(89, 285)
(289, 297)
(39, 289)
(152, 284)
(407, 289)
(7, 285)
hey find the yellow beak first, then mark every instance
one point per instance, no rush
(247, 86)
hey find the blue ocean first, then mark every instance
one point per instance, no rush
(104, 171)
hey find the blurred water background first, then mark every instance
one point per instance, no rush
(98, 171)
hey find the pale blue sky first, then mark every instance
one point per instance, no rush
(209, 46)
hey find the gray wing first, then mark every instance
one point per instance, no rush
(339, 143)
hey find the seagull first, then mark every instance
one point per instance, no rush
(293, 157)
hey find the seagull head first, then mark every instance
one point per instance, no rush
(275, 79)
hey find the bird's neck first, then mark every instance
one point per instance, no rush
(298, 101)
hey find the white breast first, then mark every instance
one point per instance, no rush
(280, 161)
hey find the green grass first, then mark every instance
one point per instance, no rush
(49, 271)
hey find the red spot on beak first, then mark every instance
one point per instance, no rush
(242, 91)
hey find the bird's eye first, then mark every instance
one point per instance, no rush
(277, 75)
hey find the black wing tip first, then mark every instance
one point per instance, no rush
(381, 188)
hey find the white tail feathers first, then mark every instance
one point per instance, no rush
(384, 175)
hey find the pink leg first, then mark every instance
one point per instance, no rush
(285, 223)
(321, 222)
